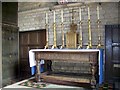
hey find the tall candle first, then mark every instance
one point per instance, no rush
(98, 12)
(80, 13)
(46, 17)
(88, 12)
(62, 15)
(54, 16)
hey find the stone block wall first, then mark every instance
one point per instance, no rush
(35, 19)
(9, 43)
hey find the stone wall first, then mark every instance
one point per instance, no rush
(9, 43)
(33, 19)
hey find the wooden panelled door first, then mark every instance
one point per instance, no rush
(29, 40)
(112, 53)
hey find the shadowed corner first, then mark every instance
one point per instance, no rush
(0, 45)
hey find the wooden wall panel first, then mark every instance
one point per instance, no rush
(112, 54)
(29, 40)
(24, 39)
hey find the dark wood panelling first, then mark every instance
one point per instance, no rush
(24, 39)
(33, 38)
(24, 51)
(112, 53)
(29, 40)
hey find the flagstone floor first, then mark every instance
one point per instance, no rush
(16, 85)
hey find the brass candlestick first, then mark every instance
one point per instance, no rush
(89, 31)
(54, 36)
(98, 27)
(46, 26)
(80, 37)
(54, 33)
(80, 32)
(63, 44)
(99, 35)
(47, 41)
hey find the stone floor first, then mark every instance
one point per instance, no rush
(16, 85)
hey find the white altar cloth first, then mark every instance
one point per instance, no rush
(32, 60)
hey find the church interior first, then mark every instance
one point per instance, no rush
(60, 44)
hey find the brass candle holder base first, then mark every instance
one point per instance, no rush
(80, 44)
(62, 47)
(46, 47)
(99, 46)
(80, 47)
(54, 47)
(89, 44)
(89, 47)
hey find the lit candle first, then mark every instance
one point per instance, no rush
(98, 12)
(62, 15)
(46, 18)
(80, 13)
(88, 13)
(54, 16)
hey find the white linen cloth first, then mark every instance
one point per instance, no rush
(32, 60)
